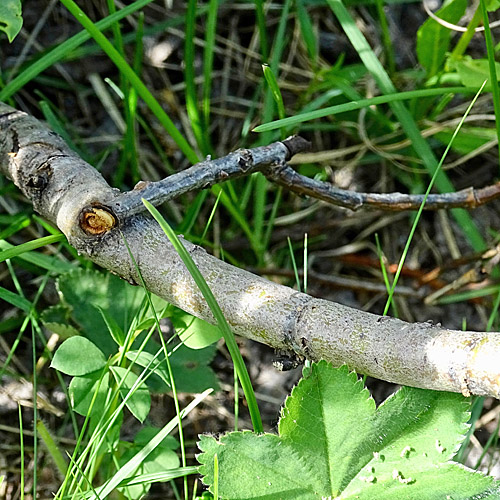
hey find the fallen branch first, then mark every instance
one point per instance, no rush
(73, 195)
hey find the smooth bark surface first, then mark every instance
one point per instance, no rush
(73, 195)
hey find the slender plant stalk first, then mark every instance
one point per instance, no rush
(218, 315)
(493, 72)
(420, 210)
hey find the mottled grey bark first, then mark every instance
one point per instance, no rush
(73, 195)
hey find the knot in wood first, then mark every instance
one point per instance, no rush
(97, 220)
(245, 161)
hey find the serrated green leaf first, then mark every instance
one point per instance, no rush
(11, 20)
(139, 402)
(82, 389)
(334, 443)
(84, 291)
(318, 419)
(433, 39)
(55, 318)
(78, 356)
(257, 466)
(194, 332)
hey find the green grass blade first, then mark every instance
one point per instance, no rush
(132, 465)
(276, 92)
(386, 37)
(52, 448)
(132, 77)
(64, 48)
(420, 210)
(156, 477)
(208, 59)
(361, 103)
(261, 23)
(218, 315)
(294, 264)
(189, 77)
(17, 223)
(15, 299)
(30, 245)
(308, 35)
(493, 72)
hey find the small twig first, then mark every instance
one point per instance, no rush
(272, 162)
(466, 198)
(206, 174)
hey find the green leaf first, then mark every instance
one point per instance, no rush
(11, 19)
(334, 443)
(81, 393)
(56, 319)
(139, 401)
(115, 331)
(194, 332)
(147, 433)
(160, 459)
(492, 5)
(433, 39)
(78, 356)
(86, 292)
(473, 72)
(191, 370)
(468, 139)
(189, 366)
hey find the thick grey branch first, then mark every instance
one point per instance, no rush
(71, 193)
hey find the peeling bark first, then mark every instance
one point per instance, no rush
(74, 196)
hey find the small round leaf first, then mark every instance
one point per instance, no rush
(78, 356)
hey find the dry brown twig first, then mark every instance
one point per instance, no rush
(96, 219)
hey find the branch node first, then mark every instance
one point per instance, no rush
(296, 144)
(40, 178)
(141, 185)
(245, 161)
(97, 220)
